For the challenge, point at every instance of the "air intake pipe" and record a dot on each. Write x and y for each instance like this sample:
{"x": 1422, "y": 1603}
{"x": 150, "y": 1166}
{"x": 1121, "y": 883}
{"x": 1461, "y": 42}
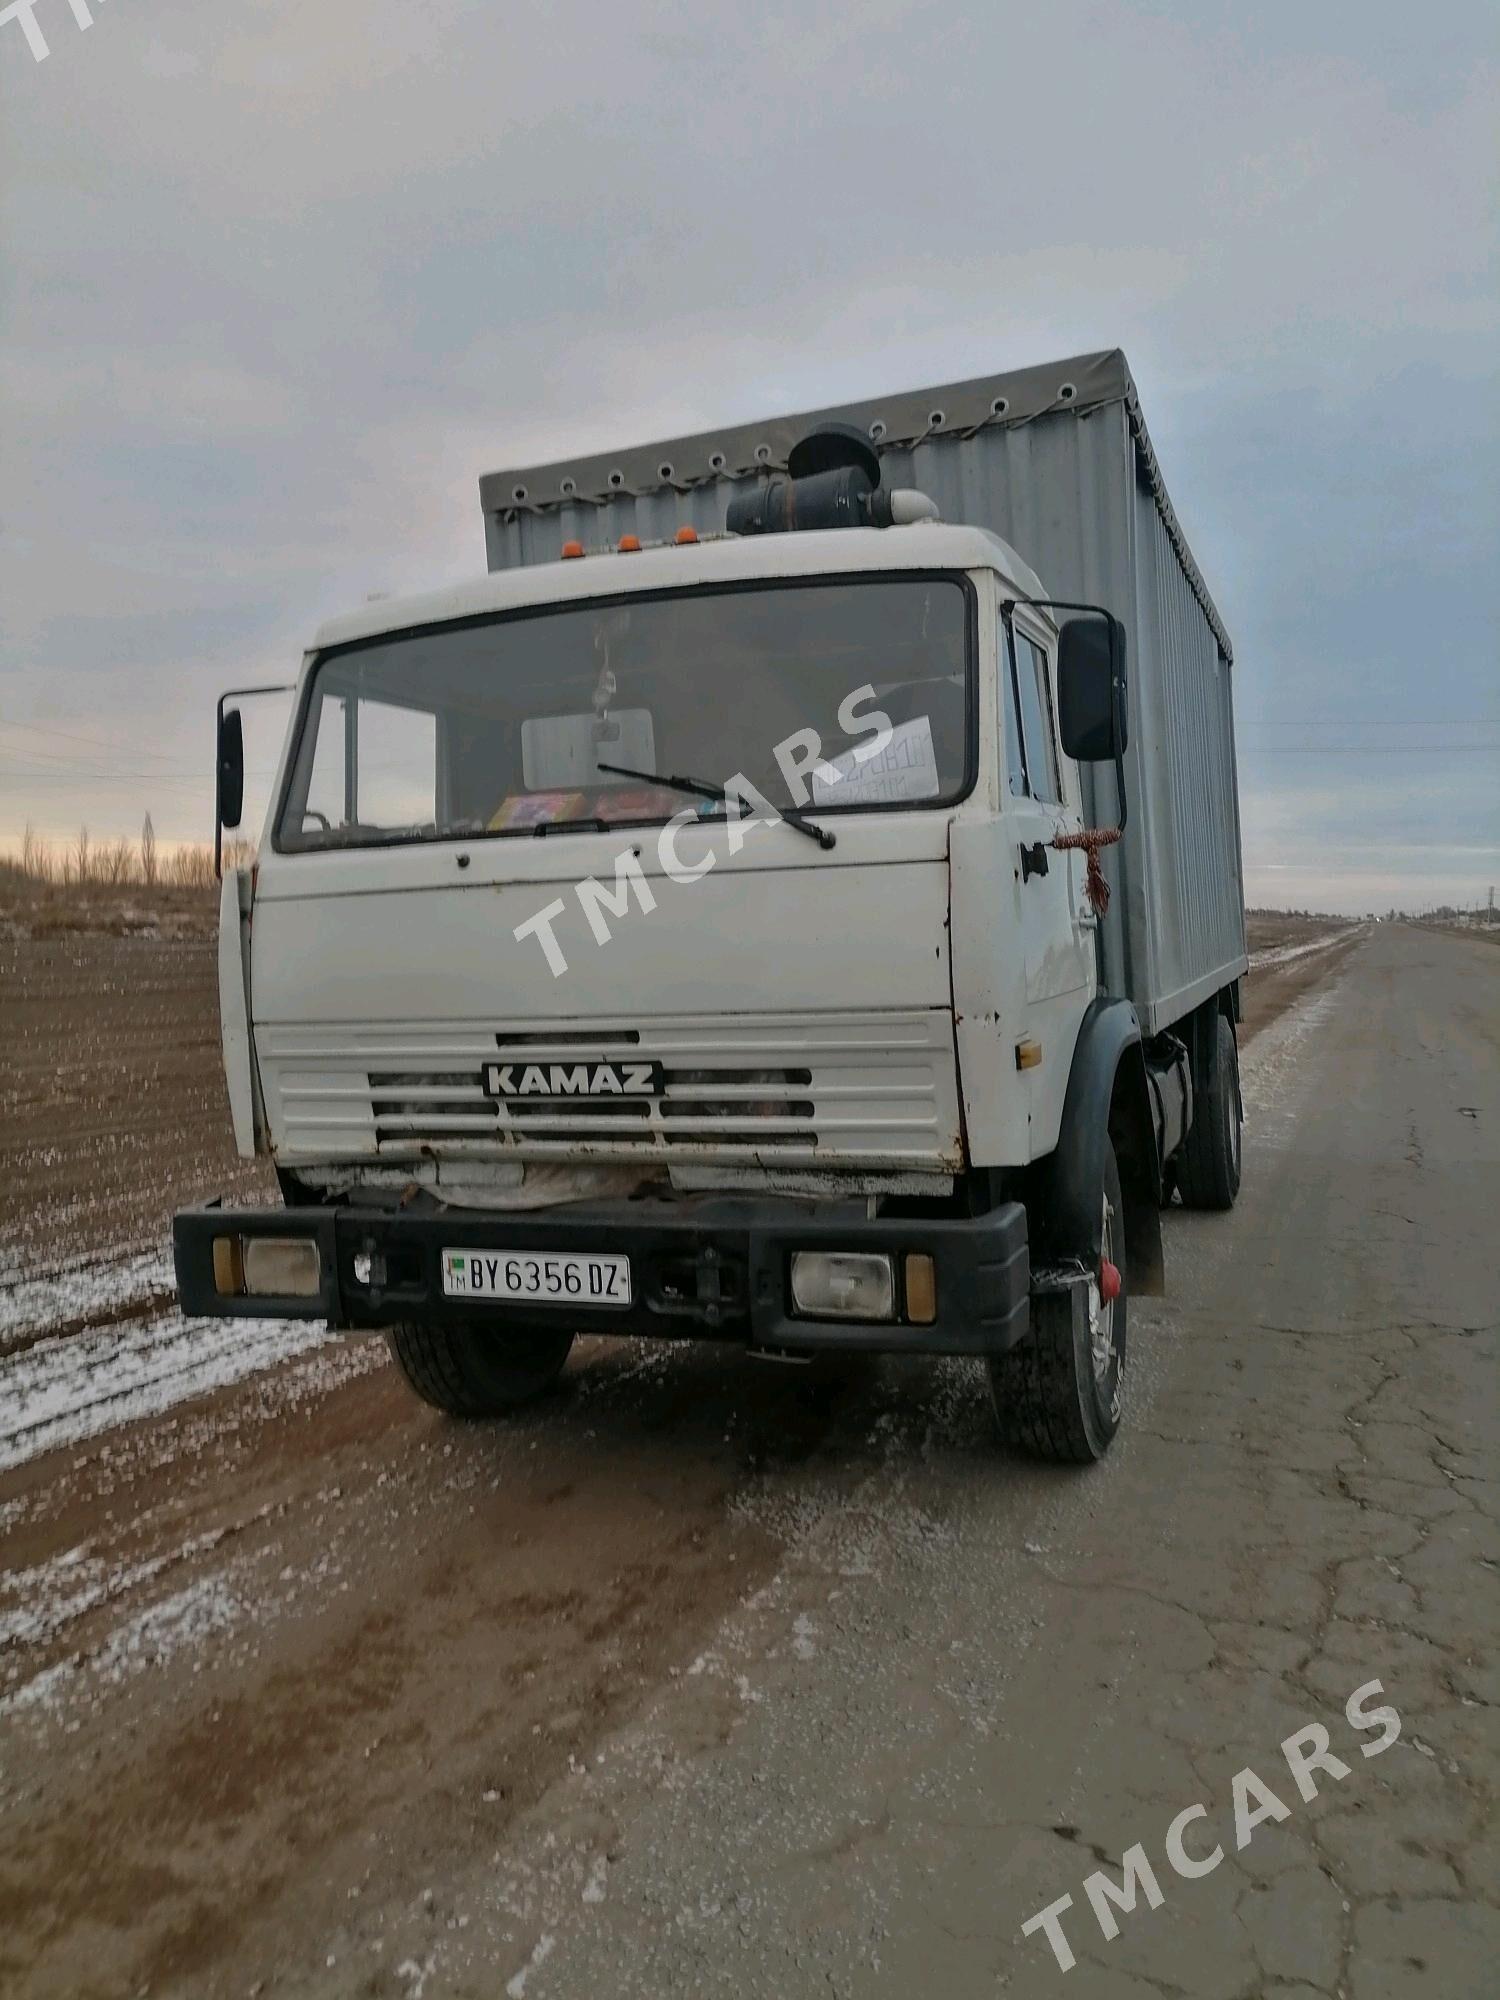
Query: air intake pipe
{"x": 832, "y": 480}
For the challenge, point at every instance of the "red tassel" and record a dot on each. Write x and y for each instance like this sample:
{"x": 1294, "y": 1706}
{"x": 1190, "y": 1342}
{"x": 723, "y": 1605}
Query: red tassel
{"x": 1090, "y": 841}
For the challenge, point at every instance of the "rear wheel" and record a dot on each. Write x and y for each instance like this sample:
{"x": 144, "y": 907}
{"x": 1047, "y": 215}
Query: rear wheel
{"x": 1208, "y": 1164}
{"x": 478, "y": 1371}
{"x": 1057, "y": 1395}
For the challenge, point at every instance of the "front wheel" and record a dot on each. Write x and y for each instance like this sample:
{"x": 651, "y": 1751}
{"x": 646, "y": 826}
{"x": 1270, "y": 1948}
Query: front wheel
{"x": 478, "y": 1371}
{"x": 1057, "y": 1394}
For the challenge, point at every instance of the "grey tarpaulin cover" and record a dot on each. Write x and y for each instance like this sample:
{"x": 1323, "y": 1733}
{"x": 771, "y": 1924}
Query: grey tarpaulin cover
{"x": 1084, "y": 382}
{"x": 1057, "y": 460}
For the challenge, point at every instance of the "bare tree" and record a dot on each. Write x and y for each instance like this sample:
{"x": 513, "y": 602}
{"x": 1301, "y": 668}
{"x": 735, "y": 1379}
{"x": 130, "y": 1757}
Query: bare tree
{"x": 148, "y": 852}
{"x": 191, "y": 867}
{"x": 36, "y": 861}
{"x": 81, "y": 855}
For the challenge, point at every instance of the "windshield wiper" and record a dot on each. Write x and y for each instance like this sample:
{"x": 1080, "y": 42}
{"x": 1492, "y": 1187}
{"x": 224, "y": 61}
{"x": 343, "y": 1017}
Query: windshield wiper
{"x": 546, "y": 826}
{"x": 700, "y": 788}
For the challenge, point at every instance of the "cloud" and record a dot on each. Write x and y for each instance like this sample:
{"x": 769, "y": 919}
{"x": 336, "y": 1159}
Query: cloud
{"x": 280, "y": 282}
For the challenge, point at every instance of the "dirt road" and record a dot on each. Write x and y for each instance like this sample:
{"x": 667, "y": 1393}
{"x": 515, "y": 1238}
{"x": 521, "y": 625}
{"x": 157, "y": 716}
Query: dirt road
{"x": 705, "y": 1677}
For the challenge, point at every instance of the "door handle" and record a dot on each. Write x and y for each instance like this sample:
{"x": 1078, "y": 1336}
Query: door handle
{"x": 1033, "y": 860}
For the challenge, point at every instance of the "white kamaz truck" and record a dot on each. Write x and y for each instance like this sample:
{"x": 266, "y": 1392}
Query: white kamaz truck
{"x": 763, "y": 908}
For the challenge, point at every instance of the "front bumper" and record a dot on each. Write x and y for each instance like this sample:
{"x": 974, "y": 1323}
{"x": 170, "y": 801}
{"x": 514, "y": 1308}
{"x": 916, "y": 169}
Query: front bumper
{"x": 717, "y": 1269}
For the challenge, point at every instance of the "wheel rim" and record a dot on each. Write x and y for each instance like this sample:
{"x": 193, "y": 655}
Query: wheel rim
{"x": 1102, "y": 1315}
{"x": 1235, "y": 1128}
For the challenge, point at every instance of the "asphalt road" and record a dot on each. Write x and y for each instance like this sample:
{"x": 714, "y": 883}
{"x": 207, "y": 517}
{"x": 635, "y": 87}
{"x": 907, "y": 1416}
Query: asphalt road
{"x": 708, "y": 1678}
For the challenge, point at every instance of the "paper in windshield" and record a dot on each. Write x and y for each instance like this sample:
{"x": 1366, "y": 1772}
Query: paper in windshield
{"x": 905, "y": 769}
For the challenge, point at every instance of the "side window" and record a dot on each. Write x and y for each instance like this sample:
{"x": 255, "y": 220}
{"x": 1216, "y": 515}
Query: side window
{"x": 397, "y": 765}
{"x": 1036, "y": 719}
{"x": 395, "y": 769}
{"x": 1030, "y": 746}
{"x": 1015, "y": 754}
{"x": 325, "y": 790}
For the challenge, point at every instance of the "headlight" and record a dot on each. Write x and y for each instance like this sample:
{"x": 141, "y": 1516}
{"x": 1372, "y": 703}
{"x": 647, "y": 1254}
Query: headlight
{"x": 843, "y": 1284}
{"x": 281, "y": 1267}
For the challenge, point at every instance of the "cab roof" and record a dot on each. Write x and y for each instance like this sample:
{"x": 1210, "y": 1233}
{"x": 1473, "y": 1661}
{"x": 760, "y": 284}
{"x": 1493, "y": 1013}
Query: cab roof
{"x": 711, "y": 561}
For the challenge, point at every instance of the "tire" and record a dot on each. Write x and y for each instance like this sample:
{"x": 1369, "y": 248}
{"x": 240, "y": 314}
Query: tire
{"x": 1057, "y": 1394}
{"x": 478, "y": 1371}
{"x": 1208, "y": 1162}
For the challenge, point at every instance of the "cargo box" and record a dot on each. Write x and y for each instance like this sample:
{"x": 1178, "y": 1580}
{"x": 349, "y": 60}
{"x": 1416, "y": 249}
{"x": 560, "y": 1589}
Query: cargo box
{"x": 1057, "y": 461}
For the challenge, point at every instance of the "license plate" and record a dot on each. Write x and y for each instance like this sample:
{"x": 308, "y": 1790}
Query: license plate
{"x": 544, "y": 1278}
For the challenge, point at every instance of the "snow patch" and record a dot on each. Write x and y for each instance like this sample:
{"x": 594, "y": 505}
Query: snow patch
{"x": 61, "y": 1391}
{"x": 150, "y": 1639}
{"x": 540, "y": 1953}
{"x": 1271, "y": 1079}
{"x": 416, "y": 1976}
{"x": 179, "y": 1622}
{"x": 1283, "y": 954}
{"x": 41, "y": 1691}
{"x": 29, "y": 1305}
{"x": 54, "y": 1594}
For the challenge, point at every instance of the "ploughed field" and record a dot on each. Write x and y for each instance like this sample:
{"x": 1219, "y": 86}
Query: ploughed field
{"x": 112, "y": 1104}
{"x": 703, "y": 1675}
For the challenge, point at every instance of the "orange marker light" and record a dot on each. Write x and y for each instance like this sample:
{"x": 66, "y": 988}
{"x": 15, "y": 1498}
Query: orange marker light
{"x": 921, "y": 1289}
{"x": 571, "y": 550}
{"x": 629, "y": 544}
{"x": 686, "y": 535}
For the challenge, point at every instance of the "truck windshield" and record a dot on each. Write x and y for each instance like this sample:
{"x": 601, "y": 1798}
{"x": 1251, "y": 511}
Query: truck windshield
{"x": 499, "y": 725}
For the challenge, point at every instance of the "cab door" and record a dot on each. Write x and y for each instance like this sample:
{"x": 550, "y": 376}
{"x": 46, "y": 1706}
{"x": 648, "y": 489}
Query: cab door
{"x": 1054, "y": 922}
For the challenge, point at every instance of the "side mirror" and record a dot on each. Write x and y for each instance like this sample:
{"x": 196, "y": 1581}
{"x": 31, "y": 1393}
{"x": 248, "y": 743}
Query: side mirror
{"x": 229, "y": 766}
{"x": 231, "y": 769}
{"x": 1091, "y": 688}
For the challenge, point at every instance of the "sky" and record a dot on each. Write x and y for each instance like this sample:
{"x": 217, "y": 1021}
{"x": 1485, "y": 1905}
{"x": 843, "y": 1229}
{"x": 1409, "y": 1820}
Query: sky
{"x": 279, "y": 281}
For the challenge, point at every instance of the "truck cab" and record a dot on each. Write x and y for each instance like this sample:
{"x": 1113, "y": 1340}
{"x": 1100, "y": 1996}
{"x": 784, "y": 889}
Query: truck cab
{"x": 677, "y": 941}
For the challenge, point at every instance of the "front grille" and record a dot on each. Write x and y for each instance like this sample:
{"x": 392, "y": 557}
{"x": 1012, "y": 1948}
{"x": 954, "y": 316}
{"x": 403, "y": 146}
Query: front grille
{"x": 693, "y": 1101}
{"x": 876, "y": 1087}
